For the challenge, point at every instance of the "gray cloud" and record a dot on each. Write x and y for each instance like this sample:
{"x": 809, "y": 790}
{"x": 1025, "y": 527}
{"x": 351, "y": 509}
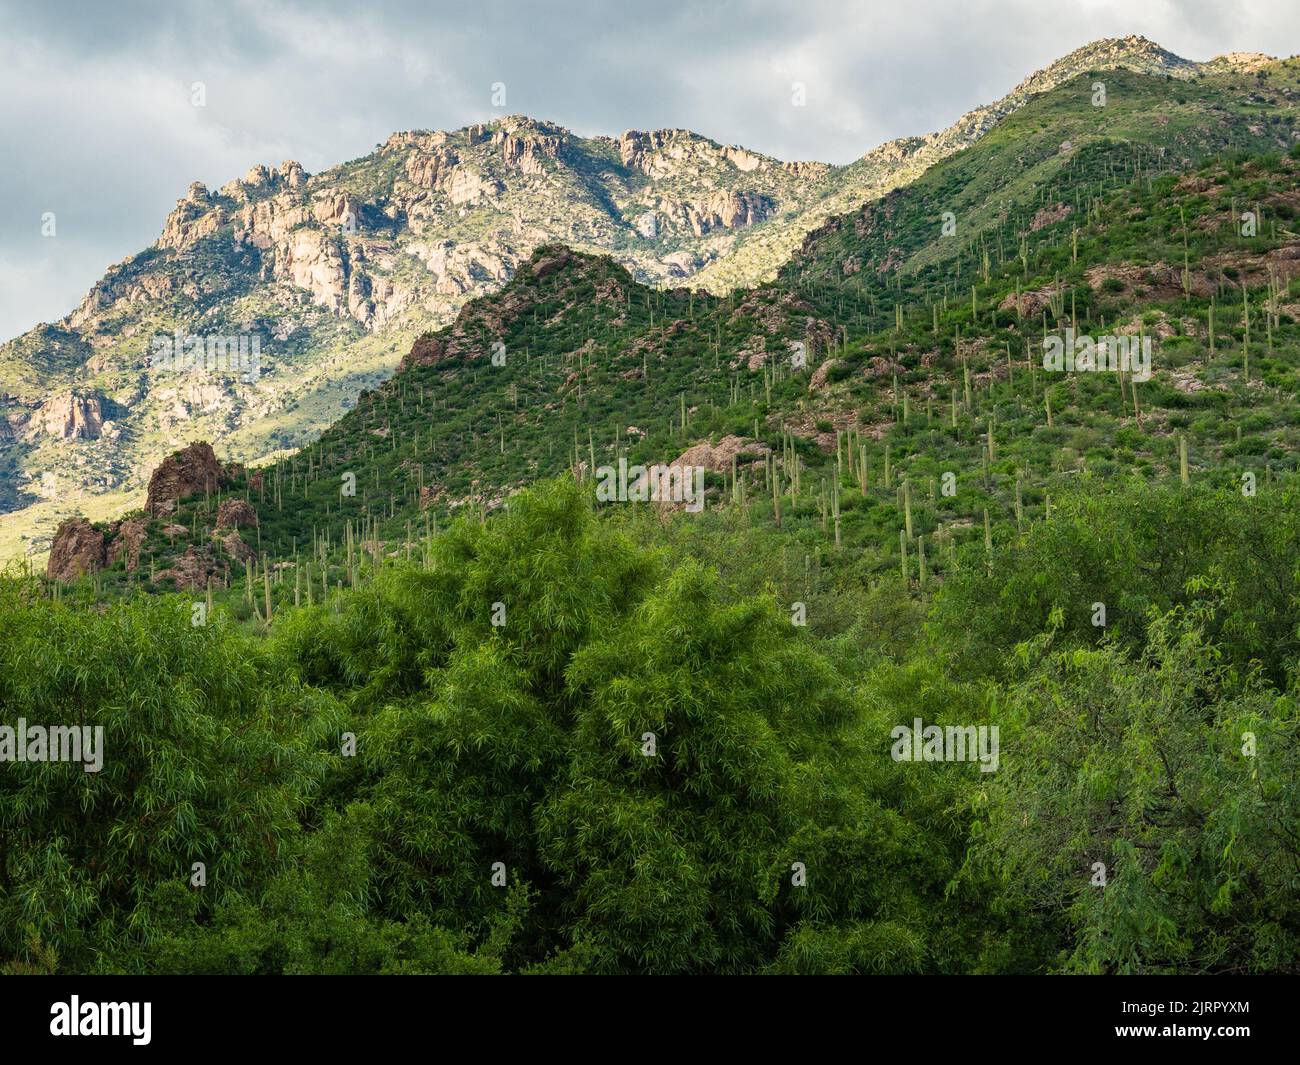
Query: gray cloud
{"x": 100, "y": 130}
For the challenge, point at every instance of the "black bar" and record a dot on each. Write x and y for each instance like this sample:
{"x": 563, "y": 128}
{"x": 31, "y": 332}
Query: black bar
{"x": 963, "y": 1013}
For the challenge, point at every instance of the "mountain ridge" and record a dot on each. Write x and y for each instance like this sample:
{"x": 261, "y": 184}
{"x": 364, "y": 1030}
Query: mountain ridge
{"x": 343, "y": 269}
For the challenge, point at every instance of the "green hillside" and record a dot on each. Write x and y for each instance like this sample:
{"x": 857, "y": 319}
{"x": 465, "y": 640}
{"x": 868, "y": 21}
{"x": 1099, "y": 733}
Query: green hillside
{"x": 429, "y": 702}
{"x": 913, "y": 360}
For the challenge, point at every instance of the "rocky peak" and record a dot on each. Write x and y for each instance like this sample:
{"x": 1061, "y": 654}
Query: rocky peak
{"x": 743, "y": 159}
{"x": 80, "y": 548}
{"x": 1134, "y": 53}
{"x": 193, "y": 218}
{"x": 524, "y": 142}
{"x": 261, "y": 180}
{"x": 659, "y": 152}
{"x": 291, "y": 174}
{"x": 548, "y": 260}
{"x": 1245, "y": 62}
{"x": 423, "y": 139}
{"x": 527, "y": 128}
{"x": 258, "y": 176}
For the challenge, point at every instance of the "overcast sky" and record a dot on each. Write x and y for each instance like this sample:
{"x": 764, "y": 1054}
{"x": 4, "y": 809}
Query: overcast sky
{"x": 98, "y": 124}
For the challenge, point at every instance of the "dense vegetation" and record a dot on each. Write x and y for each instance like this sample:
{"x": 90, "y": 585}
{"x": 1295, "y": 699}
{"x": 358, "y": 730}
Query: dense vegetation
{"x": 654, "y": 754}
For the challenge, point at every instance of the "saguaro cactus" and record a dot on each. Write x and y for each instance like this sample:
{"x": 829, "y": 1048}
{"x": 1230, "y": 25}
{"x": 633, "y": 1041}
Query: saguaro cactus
{"x": 988, "y": 541}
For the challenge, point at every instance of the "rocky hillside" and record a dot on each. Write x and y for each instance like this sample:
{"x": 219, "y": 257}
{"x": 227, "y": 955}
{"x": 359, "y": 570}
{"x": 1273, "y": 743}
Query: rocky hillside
{"x": 296, "y": 292}
{"x": 837, "y": 407}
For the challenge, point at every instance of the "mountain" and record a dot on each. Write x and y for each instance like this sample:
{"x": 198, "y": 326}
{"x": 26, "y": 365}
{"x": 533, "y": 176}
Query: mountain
{"x": 334, "y": 275}
{"x": 829, "y": 406}
{"x": 1011, "y": 449}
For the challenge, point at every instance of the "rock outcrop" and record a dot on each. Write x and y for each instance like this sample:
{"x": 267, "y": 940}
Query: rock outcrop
{"x": 236, "y": 514}
{"x": 77, "y": 551}
{"x": 233, "y": 544}
{"x": 821, "y": 376}
{"x": 128, "y": 536}
{"x": 188, "y": 572}
{"x": 78, "y": 413}
{"x": 188, "y": 472}
{"x": 1045, "y": 216}
{"x": 717, "y": 457}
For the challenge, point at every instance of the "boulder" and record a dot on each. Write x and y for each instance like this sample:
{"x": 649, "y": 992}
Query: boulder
{"x": 820, "y": 378}
{"x": 717, "y": 457}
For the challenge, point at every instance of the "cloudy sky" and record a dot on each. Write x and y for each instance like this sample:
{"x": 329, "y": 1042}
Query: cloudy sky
{"x": 99, "y": 126}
